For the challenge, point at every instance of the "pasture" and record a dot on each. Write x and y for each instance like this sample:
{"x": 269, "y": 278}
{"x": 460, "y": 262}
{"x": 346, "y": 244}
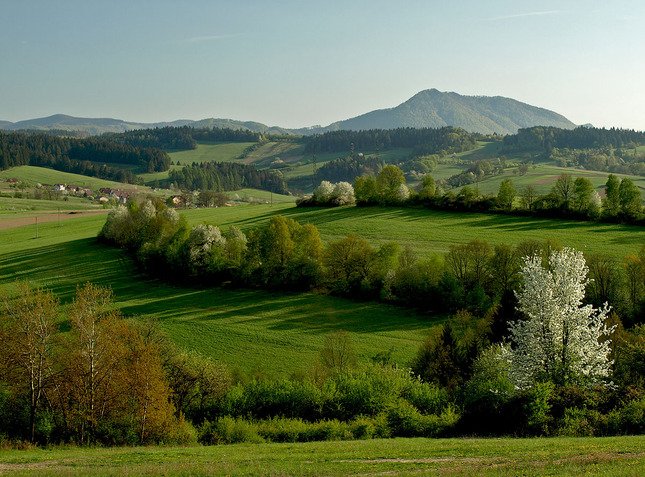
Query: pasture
{"x": 428, "y": 231}
{"x": 279, "y": 333}
{"x": 210, "y": 152}
{"x": 275, "y": 333}
{"x": 40, "y": 175}
{"x": 618, "y": 456}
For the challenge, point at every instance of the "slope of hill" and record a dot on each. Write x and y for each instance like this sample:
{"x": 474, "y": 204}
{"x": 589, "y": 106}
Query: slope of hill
{"x": 244, "y": 125}
{"x": 93, "y": 126}
{"x": 434, "y": 109}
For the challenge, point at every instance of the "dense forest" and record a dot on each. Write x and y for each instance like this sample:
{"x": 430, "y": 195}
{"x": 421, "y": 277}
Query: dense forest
{"x": 547, "y": 138}
{"x": 424, "y": 141}
{"x": 225, "y": 176}
{"x": 611, "y": 150}
{"x": 74, "y": 155}
{"x": 186, "y": 137}
{"x": 349, "y": 168}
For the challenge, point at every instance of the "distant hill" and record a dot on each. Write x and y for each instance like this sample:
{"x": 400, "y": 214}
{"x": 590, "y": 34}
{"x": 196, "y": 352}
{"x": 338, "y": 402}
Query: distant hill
{"x": 244, "y": 125}
{"x": 427, "y": 109}
{"x": 434, "y": 109}
{"x": 98, "y": 126}
{"x": 93, "y": 126}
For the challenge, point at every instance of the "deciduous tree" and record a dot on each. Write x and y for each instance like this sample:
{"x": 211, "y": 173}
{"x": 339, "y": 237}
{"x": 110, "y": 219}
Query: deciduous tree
{"x": 560, "y": 340}
{"x": 27, "y": 328}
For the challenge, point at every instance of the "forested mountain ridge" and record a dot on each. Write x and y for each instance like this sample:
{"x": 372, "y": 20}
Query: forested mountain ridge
{"x": 435, "y": 109}
{"x": 99, "y": 126}
{"x": 92, "y": 126}
{"x": 428, "y": 109}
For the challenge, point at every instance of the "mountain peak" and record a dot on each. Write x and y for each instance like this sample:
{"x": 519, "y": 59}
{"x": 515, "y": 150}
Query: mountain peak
{"x": 432, "y": 108}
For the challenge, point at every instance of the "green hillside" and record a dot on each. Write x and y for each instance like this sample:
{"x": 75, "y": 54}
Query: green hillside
{"x": 41, "y": 175}
{"x": 277, "y": 333}
{"x": 211, "y": 152}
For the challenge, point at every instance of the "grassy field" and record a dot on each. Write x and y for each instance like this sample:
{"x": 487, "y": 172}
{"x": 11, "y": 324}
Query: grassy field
{"x": 278, "y": 333}
{"x": 210, "y": 152}
{"x": 616, "y": 456}
{"x": 262, "y": 196}
{"x": 10, "y": 205}
{"x": 42, "y": 175}
{"x": 275, "y": 333}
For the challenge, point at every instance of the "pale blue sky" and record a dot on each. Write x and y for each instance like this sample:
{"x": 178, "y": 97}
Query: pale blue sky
{"x": 300, "y": 63}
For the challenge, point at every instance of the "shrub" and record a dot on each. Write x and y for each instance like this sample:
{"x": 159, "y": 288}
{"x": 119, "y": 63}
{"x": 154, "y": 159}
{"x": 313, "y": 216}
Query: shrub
{"x": 537, "y": 407}
{"x": 580, "y": 422}
{"x": 227, "y": 430}
{"x": 367, "y": 392}
{"x": 426, "y": 397}
{"x": 280, "y": 429}
{"x": 404, "y": 420}
{"x": 632, "y": 417}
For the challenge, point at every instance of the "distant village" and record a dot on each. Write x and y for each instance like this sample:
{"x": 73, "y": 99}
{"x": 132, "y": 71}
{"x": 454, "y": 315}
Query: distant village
{"x": 113, "y": 196}
{"x": 103, "y": 195}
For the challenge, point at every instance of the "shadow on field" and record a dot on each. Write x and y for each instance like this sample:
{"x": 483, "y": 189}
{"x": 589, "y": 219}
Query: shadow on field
{"x": 63, "y": 267}
{"x": 327, "y": 215}
{"x": 289, "y": 311}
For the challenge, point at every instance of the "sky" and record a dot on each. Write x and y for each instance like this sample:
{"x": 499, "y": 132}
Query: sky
{"x": 304, "y": 63}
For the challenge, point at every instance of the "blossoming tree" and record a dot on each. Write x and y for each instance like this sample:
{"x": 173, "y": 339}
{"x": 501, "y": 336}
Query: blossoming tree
{"x": 561, "y": 340}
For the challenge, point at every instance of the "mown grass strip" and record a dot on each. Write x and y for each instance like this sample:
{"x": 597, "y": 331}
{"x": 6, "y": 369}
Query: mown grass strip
{"x": 622, "y": 456}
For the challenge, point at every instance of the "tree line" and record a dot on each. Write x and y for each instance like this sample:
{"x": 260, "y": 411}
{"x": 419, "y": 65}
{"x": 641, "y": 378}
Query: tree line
{"x": 226, "y": 176}
{"x": 182, "y": 138}
{"x": 425, "y": 141}
{"x": 569, "y": 198}
{"x": 582, "y": 137}
{"x": 73, "y": 154}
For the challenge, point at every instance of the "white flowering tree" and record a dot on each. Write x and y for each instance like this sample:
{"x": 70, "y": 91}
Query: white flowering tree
{"x": 560, "y": 340}
{"x": 343, "y": 194}
{"x": 200, "y": 242}
{"x": 322, "y": 194}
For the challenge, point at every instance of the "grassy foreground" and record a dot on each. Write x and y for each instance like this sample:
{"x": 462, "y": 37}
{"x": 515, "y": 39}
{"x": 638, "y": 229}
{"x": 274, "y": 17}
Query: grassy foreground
{"x": 623, "y": 456}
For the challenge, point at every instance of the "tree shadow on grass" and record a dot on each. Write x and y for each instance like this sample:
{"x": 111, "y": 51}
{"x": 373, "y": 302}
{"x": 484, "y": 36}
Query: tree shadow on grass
{"x": 279, "y": 312}
{"x": 63, "y": 267}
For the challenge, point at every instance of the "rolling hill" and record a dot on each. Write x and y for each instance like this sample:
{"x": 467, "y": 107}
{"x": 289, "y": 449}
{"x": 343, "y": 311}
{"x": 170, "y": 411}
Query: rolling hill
{"x": 93, "y": 126}
{"x": 428, "y": 109}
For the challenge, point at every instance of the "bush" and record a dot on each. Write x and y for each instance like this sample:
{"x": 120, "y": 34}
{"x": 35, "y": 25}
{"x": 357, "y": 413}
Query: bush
{"x": 265, "y": 399}
{"x": 537, "y": 408}
{"x": 227, "y": 430}
{"x": 366, "y": 392}
{"x": 632, "y": 417}
{"x": 404, "y": 420}
{"x": 580, "y": 422}
{"x": 426, "y": 397}
{"x": 284, "y": 430}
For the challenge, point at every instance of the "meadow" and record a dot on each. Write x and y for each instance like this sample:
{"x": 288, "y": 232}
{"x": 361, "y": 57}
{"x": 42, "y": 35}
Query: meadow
{"x": 275, "y": 333}
{"x": 279, "y": 333}
{"x": 617, "y": 456}
{"x": 41, "y": 175}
